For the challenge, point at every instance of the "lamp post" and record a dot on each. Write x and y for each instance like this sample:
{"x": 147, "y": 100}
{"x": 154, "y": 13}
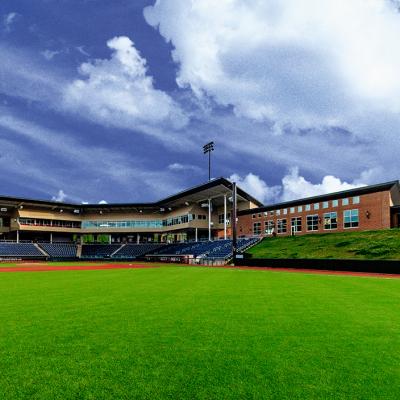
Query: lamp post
{"x": 233, "y": 223}
{"x": 208, "y": 148}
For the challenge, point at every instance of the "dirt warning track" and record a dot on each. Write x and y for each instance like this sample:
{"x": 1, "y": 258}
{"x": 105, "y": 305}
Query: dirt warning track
{"x": 45, "y": 268}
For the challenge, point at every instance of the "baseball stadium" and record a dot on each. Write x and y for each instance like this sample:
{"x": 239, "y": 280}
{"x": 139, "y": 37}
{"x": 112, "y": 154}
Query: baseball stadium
{"x": 143, "y": 300}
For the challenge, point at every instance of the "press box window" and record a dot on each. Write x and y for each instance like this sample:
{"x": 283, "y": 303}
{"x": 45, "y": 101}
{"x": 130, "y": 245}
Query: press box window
{"x": 316, "y": 206}
{"x": 335, "y": 203}
{"x": 345, "y": 202}
{"x": 356, "y": 200}
{"x": 325, "y": 204}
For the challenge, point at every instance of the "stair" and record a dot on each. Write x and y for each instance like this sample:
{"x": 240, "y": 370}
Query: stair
{"x": 41, "y": 250}
{"x": 79, "y": 251}
{"x": 116, "y": 251}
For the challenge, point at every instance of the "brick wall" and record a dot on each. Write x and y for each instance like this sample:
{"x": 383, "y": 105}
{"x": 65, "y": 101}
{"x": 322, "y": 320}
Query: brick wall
{"x": 374, "y": 213}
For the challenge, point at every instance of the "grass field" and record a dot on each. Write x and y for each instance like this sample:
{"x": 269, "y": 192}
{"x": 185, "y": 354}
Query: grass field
{"x": 382, "y": 244}
{"x": 198, "y": 333}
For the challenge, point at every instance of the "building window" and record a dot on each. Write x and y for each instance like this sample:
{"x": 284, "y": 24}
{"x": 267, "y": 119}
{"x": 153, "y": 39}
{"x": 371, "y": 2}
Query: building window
{"x": 221, "y": 218}
{"x": 330, "y": 220}
{"x": 296, "y": 224}
{"x": 285, "y": 211}
{"x": 259, "y": 215}
{"x": 356, "y": 200}
{"x": 278, "y": 212}
{"x": 281, "y": 226}
{"x": 291, "y": 210}
{"x": 257, "y": 228}
{"x": 271, "y": 213}
{"x": 345, "y": 202}
{"x": 265, "y": 213}
{"x": 312, "y": 222}
{"x": 308, "y": 207}
{"x": 335, "y": 203}
{"x": 253, "y": 216}
{"x": 269, "y": 227}
{"x": 325, "y": 204}
{"x": 300, "y": 208}
{"x": 316, "y": 206}
{"x": 350, "y": 218}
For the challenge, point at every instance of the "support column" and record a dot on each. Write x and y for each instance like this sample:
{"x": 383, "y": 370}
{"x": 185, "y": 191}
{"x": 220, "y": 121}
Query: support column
{"x": 225, "y": 216}
{"x": 209, "y": 219}
{"x": 51, "y": 237}
{"x": 196, "y": 234}
{"x": 17, "y": 236}
{"x": 138, "y": 238}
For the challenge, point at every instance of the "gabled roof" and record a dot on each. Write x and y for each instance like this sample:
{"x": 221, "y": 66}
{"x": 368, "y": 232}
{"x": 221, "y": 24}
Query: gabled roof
{"x": 324, "y": 197}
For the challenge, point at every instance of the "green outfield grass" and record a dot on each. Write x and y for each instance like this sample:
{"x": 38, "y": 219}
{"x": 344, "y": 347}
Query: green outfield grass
{"x": 198, "y": 333}
{"x": 382, "y": 244}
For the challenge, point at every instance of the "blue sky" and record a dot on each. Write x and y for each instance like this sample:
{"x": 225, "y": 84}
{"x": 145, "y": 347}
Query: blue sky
{"x": 113, "y": 100}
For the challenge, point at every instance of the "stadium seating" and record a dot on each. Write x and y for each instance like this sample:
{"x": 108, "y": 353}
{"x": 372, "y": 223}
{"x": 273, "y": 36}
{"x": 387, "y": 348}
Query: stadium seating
{"x": 20, "y": 250}
{"x": 133, "y": 251}
{"x": 99, "y": 250}
{"x": 59, "y": 250}
{"x": 220, "y": 249}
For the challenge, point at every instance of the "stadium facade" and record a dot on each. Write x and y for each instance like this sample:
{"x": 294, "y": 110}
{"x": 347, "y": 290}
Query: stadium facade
{"x": 187, "y": 216}
{"x": 198, "y": 213}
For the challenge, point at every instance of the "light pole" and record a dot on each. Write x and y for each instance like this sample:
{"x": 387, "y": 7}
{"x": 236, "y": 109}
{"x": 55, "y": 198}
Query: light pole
{"x": 233, "y": 223}
{"x": 208, "y": 148}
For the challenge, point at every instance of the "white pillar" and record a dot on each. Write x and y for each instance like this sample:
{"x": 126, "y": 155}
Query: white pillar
{"x": 17, "y": 236}
{"x": 138, "y": 238}
{"x": 51, "y": 237}
{"x": 225, "y": 216}
{"x": 195, "y": 234}
{"x": 209, "y": 219}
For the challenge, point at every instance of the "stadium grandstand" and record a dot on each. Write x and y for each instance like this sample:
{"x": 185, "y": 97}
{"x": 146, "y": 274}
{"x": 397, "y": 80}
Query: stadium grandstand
{"x": 194, "y": 224}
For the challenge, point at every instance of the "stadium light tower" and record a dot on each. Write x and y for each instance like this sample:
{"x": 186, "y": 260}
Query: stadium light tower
{"x": 233, "y": 222}
{"x": 208, "y": 148}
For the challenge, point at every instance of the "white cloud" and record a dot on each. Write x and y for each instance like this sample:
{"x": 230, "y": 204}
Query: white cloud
{"x": 102, "y": 202}
{"x": 9, "y": 19}
{"x": 118, "y": 92}
{"x": 50, "y": 54}
{"x": 308, "y": 63}
{"x": 60, "y": 196}
{"x": 255, "y": 186}
{"x": 293, "y": 186}
{"x": 178, "y": 167}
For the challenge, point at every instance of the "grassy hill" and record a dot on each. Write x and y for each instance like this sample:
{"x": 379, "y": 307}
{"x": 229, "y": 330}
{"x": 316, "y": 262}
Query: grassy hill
{"x": 382, "y": 244}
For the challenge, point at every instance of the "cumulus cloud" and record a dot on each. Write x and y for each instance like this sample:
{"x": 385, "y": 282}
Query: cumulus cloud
{"x": 255, "y": 186}
{"x": 102, "y": 202}
{"x": 318, "y": 62}
{"x": 60, "y": 196}
{"x": 118, "y": 92}
{"x": 294, "y": 186}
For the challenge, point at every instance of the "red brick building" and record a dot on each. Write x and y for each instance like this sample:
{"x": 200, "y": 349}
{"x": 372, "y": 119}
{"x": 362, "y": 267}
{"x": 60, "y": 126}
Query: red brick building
{"x": 366, "y": 208}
